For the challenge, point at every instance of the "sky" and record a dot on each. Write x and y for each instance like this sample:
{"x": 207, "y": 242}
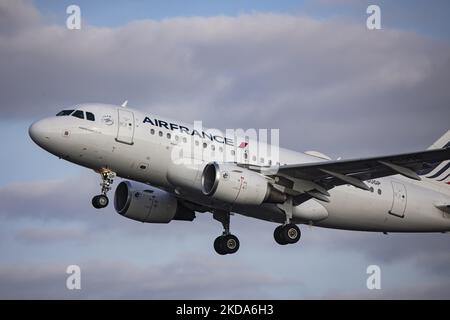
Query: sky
{"x": 309, "y": 68}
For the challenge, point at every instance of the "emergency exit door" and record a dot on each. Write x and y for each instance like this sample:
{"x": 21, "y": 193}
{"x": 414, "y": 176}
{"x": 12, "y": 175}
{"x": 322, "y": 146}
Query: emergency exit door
{"x": 125, "y": 130}
{"x": 398, "y": 200}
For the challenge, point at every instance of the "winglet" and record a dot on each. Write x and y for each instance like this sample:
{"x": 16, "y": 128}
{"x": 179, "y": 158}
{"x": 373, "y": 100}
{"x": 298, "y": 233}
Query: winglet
{"x": 125, "y": 103}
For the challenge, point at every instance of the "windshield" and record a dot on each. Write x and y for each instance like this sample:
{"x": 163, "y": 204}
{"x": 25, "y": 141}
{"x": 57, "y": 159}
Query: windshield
{"x": 65, "y": 113}
{"x": 78, "y": 114}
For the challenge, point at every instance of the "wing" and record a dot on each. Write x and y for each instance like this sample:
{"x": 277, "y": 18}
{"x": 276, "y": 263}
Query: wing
{"x": 312, "y": 180}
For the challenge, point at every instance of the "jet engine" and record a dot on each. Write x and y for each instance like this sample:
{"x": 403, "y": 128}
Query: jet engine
{"x": 145, "y": 204}
{"x": 235, "y": 185}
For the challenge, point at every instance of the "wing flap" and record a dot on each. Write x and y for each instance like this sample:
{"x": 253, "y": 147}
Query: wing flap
{"x": 328, "y": 174}
{"x": 366, "y": 168}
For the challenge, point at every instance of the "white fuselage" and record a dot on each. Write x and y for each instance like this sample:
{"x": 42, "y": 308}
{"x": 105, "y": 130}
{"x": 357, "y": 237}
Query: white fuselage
{"x": 136, "y": 146}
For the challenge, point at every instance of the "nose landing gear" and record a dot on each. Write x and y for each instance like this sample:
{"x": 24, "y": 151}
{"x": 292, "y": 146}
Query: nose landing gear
{"x": 102, "y": 201}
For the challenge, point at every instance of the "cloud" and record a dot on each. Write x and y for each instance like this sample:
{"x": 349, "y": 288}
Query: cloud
{"x": 428, "y": 253}
{"x": 186, "y": 277}
{"x": 121, "y": 258}
{"x": 225, "y": 70}
{"x": 434, "y": 291}
{"x": 48, "y": 235}
{"x": 328, "y": 84}
{"x": 16, "y": 16}
{"x": 54, "y": 199}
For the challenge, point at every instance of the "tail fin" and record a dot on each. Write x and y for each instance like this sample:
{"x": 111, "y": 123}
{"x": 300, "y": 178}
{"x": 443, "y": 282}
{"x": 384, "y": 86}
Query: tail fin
{"x": 439, "y": 171}
{"x": 442, "y": 142}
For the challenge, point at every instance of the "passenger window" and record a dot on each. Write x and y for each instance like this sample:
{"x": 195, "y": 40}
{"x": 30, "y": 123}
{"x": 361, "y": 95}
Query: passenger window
{"x": 152, "y": 131}
{"x": 213, "y": 147}
{"x": 65, "y": 113}
{"x": 78, "y": 114}
{"x": 184, "y": 139}
{"x": 220, "y": 149}
{"x": 160, "y": 133}
{"x": 205, "y": 145}
{"x": 168, "y": 136}
{"x": 90, "y": 116}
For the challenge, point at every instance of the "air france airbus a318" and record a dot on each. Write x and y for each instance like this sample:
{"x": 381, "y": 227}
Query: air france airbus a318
{"x": 398, "y": 193}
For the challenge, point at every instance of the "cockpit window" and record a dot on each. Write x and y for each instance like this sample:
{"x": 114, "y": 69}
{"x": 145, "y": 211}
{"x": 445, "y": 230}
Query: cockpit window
{"x": 90, "y": 116}
{"x": 65, "y": 113}
{"x": 78, "y": 114}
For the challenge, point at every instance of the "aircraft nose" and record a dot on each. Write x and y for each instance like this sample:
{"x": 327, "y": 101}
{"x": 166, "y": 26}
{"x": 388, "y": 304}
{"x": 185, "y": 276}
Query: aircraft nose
{"x": 37, "y": 132}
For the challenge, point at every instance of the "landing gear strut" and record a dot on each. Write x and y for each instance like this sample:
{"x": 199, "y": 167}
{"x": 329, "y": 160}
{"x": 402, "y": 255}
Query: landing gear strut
{"x": 102, "y": 201}
{"x": 288, "y": 232}
{"x": 226, "y": 243}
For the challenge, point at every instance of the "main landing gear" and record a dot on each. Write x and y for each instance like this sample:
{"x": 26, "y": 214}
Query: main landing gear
{"x": 288, "y": 232}
{"x": 226, "y": 243}
{"x": 102, "y": 201}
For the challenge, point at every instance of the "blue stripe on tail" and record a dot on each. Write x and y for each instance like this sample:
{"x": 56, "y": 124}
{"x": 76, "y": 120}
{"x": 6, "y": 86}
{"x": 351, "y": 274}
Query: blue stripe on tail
{"x": 429, "y": 167}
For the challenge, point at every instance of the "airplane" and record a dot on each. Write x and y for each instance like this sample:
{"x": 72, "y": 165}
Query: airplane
{"x": 407, "y": 192}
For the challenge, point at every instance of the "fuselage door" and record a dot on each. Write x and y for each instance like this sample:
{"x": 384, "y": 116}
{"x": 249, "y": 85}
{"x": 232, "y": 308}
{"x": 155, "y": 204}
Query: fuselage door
{"x": 398, "y": 200}
{"x": 125, "y": 130}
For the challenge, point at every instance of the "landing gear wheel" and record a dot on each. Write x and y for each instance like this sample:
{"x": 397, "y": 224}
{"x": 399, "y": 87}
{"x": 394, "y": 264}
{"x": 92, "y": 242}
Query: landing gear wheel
{"x": 218, "y": 246}
{"x": 227, "y": 244}
{"x": 230, "y": 243}
{"x": 290, "y": 233}
{"x": 278, "y": 237}
{"x": 100, "y": 201}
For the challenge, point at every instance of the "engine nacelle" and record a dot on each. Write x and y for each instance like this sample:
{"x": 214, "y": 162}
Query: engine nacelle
{"x": 145, "y": 204}
{"x": 235, "y": 185}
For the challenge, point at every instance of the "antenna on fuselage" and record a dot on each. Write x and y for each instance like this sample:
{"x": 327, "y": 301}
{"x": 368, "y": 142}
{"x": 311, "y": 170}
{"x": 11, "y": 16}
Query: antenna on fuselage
{"x": 125, "y": 103}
